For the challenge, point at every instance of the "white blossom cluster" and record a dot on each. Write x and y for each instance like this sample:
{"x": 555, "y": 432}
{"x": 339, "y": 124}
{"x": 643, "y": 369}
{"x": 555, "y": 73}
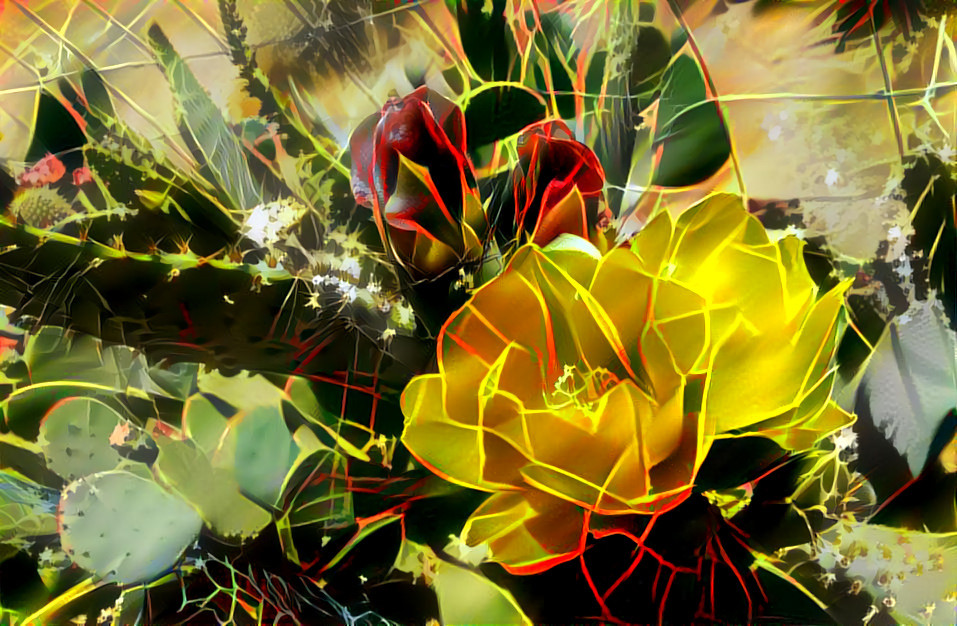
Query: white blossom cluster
{"x": 267, "y": 223}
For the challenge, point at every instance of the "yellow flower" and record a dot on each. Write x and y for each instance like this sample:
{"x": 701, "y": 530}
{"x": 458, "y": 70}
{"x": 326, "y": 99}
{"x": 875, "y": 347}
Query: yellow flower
{"x": 578, "y": 382}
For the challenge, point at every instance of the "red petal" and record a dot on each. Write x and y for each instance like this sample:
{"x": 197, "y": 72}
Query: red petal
{"x": 362, "y": 150}
{"x": 567, "y": 213}
{"x": 449, "y": 117}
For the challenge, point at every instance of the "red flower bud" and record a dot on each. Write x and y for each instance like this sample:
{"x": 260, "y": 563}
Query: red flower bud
{"x": 557, "y": 186}
{"x": 409, "y": 166}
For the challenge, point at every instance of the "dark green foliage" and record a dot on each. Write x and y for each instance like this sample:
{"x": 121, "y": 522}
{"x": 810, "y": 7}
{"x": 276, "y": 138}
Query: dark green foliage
{"x": 214, "y": 354}
{"x": 690, "y": 130}
{"x": 485, "y": 39}
{"x": 183, "y": 310}
{"x": 56, "y": 132}
{"x": 930, "y": 187}
{"x": 649, "y": 60}
{"x": 499, "y": 111}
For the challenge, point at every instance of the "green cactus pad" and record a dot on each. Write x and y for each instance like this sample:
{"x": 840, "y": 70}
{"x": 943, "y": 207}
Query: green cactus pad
{"x": 262, "y": 452}
{"x": 123, "y": 527}
{"x": 244, "y": 390}
{"x": 213, "y": 491}
{"x": 76, "y": 437}
{"x": 912, "y": 576}
{"x": 203, "y": 423}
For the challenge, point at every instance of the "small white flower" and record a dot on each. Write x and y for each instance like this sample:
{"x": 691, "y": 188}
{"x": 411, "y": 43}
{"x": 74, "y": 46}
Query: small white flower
{"x": 894, "y": 233}
{"x": 266, "y": 222}
{"x": 350, "y": 265}
{"x": 846, "y": 439}
{"x": 832, "y": 177}
{"x": 947, "y": 153}
{"x": 775, "y": 133}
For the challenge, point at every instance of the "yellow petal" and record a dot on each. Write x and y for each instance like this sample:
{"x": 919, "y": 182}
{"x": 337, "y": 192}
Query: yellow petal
{"x": 580, "y": 328}
{"x": 476, "y": 335}
{"x": 577, "y": 464}
{"x": 448, "y": 448}
{"x": 652, "y": 245}
{"x": 638, "y": 455}
{"x": 683, "y": 323}
{"x": 756, "y": 378}
{"x": 709, "y": 226}
{"x": 816, "y": 417}
{"x": 792, "y": 433}
{"x": 577, "y": 256}
{"x": 799, "y": 288}
{"x": 723, "y": 254}
{"x": 519, "y": 373}
{"x": 619, "y": 274}
{"x": 527, "y": 532}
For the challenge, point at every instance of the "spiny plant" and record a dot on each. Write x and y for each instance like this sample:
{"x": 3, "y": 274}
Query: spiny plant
{"x": 210, "y": 334}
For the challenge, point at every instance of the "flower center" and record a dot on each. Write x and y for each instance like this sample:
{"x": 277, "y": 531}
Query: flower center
{"x": 580, "y": 386}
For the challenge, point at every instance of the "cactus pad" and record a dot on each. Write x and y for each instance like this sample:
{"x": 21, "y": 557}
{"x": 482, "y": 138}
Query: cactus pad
{"x": 76, "y": 437}
{"x": 124, "y": 527}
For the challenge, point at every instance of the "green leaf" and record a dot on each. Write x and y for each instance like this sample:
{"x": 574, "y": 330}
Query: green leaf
{"x": 219, "y": 148}
{"x": 174, "y": 381}
{"x": 690, "y": 131}
{"x": 27, "y": 509}
{"x": 243, "y": 391}
{"x": 339, "y": 434}
{"x": 555, "y": 41}
{"x": 54, "y": 355}
{"x": 499, "y": 111}
{"x": 97, "y": 96}
{"x": 203, "y": 423}
{"x": 261, "y": 451}
{"x": 213, "y": 491}
{"x": 467, "y": 597}
{"x": 76, "y": 437}
{"x": 362, "y": 533}
{"x": 485, "y": 37}
{"x": 124, "y": 527}
{"x": 911, "y": 381}
{"x": 649, "y": 60}
{"x": 326, "y": 503}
